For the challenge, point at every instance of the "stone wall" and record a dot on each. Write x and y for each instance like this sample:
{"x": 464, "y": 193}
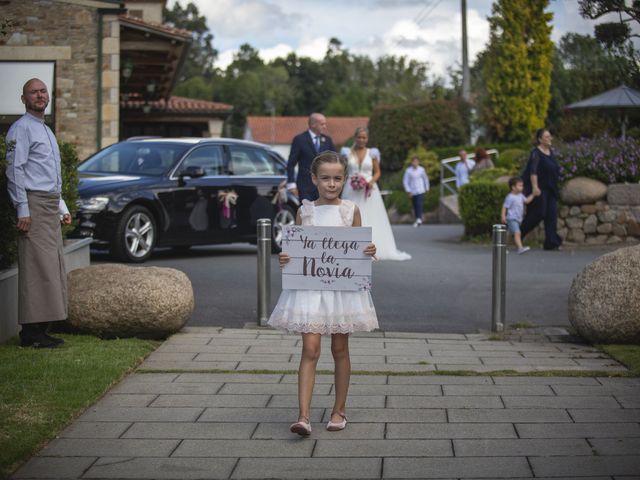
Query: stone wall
{"x": 66, "y": 31}
{"x": 615, "y": 220}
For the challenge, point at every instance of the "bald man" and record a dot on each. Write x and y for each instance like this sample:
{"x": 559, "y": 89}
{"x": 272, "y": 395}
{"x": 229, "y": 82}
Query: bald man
{"x": 304, "y": 148}
{"x": 35, "y": 186}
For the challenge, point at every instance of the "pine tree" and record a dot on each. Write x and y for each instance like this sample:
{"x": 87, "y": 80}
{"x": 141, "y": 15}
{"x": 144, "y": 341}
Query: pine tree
{"x": 517, "y": 70}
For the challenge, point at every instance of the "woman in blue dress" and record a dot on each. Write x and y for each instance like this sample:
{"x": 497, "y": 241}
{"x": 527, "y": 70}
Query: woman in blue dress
{"x": 541, "y": 176}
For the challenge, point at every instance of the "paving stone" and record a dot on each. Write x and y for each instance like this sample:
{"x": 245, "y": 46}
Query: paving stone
{"x": 95, "y": 430}
{"x": 383, "y": 448}
{"x": 450, "y": 401}
{"x": 440, "y": 380}
{"x": 596, "y": 363}
{"x": 188, "y": 339}
{"x": 162, "y": 468}
{"x": 560, "y": 402}
{"x": 629, "y": 401}
{"x": 608, "y": 415}
{"x": 546, "y": 381}
{"x": 396, "y": 415}
{"x": 367, "y": 358}
{"x": 433, "y": 347}
{"x": 455, "y": 467}
{"x": 327, "y": 401}
{"x": 240, "y": 357}
{"x": 284, "y": 415}
{"x": 211, "y": 401}
{"x": 193, "y": 430}
{"x": 557, "y": 363}
{"x": 272, "y": 366}
{"x": 321, "y": 468}
{"x": 174, "y": 388}
{"x": 578, "y": 430}
{"x": 185, "y": 348}
{"x": 163, "y": 356}
{"x": 404, "y": 341}
{"x": 270, "y": 389}
{"x": 460, "y": 360}
{"x": 228, "y": 378}
{"x": 521, "y": 447}
{"x": 151, "y": 377}
{"x": 586, "y": 466}
{"x": 594, "y": 391}
{"x": 512, "y": 415}
{"x": 619, "y": 381}
{"x": 392, "y": 368}
{"x": 487, "y": 369}
{"x": 616, "y": 446}
{"x": 434, "y": 336}
{"x": 186, "y": 366}
{"x": 126, "y": 400}
{"x": 449, "y": 430}
{"x": 262, "y": 349}
{"x": 244, "y": 448}
{"x": 366, "y": 431}
{"x": 355, "y": 379}
{"x": 108, "y": 447}
{"x": 497, "y": 390}
{"x": 432, "y": 390}
{"x": 138, "y": 414}
{"x": 47, "y": 467}
{"x": 517, "y": 347}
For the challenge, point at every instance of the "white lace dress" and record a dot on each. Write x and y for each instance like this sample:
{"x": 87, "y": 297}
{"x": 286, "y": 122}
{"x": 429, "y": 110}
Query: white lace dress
{"x": 325, "y": 311}
{"x": 372, "y": 209}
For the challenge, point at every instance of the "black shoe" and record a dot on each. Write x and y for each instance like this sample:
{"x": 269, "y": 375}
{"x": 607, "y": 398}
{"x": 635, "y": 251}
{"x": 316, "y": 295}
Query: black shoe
{"x": 39, "y": 341}
{"x": 57, "y": 341}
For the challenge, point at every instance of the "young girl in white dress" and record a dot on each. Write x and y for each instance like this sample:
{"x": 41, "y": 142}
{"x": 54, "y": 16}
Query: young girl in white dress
{"x": 366, "y": 162}
{"x": 314, "y": 313}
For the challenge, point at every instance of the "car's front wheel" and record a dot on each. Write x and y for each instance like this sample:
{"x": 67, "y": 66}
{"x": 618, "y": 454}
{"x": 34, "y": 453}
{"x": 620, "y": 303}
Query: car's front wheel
{"x": 286, "y": 216}
{"x": 136, "y": 235}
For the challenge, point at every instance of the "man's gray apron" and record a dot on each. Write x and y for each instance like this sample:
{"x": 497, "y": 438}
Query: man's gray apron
{"x": 42, "y": 277}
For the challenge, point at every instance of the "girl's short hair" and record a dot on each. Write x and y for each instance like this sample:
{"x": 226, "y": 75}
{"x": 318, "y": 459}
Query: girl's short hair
{"x": 328, "y": 157}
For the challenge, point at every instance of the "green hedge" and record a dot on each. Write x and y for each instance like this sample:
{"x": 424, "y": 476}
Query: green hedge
{"x": 398, "y": 129}
{"x": 480, "y": 204}
{"x": 402, "y": 202}
{"x": 8, "y": 232}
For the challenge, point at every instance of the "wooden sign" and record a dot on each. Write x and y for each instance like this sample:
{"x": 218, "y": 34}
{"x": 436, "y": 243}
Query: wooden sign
{"x": 326, "y": 258}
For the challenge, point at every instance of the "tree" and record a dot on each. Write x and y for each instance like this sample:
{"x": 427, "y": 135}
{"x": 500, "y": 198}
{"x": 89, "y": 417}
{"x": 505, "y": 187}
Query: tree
{"x": 201, "y": 54}
{"x": 616, "y": 37}
{"x": 517, "y": 69}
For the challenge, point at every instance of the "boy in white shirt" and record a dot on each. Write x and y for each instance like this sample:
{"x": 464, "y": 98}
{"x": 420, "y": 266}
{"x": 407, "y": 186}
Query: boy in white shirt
{"x": 416, "y": 184}
{"x": 513, "y": 211}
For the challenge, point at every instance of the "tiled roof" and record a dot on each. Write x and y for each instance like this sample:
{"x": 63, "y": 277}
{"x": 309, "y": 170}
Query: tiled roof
{"x": 179, "y": 105}
{"x": 161, "y": 28}
{"x": 281, "y": 130}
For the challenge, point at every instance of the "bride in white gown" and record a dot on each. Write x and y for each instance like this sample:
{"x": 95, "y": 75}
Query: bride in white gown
{"x": 365, "y": 162}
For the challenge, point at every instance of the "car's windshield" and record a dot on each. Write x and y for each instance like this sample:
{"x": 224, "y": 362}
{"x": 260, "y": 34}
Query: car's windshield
{"x": 135, "y": 158}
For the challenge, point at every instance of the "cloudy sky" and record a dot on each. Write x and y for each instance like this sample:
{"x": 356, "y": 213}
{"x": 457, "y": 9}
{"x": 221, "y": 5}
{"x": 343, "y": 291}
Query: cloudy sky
{"x": 426, "y": 30}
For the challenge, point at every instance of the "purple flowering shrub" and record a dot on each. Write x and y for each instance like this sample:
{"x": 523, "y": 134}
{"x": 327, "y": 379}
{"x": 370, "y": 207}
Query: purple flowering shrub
{"x": 604, "y": 158}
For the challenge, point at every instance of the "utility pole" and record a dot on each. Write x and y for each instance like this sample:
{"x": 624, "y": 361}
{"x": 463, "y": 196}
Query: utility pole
{"x": 466, "y": 82}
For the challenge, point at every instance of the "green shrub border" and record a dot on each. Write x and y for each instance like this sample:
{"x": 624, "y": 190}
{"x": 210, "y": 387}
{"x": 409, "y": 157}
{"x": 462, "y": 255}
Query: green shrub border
{"x": 8, "y": 232}
{"x": 480, "y": 204}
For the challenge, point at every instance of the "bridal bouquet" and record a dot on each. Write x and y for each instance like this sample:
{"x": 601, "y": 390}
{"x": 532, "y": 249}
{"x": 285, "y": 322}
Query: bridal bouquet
{"x": 358, "y": 182}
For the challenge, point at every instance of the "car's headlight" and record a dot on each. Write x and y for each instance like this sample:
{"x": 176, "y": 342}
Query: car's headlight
{"x": 93, "y": 204}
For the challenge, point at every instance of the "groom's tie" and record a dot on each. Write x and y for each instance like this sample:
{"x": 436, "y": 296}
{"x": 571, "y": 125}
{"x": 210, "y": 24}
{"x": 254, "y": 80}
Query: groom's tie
{"x": 316, "y": 143}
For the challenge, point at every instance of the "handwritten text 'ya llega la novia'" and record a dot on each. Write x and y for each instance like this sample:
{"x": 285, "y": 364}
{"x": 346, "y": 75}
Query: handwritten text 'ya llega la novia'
{"x": 329, "y": 267}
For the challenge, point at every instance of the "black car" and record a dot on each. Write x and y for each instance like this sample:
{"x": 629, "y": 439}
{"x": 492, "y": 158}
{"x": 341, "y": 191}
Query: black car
{"x": 151, "y": 192}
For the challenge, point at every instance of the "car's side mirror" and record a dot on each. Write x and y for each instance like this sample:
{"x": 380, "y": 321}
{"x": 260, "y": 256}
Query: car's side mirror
{"x": 191, "y": 172}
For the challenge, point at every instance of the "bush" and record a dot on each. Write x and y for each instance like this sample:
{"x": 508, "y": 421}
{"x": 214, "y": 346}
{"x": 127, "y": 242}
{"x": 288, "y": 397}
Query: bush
{"x": 603, "y": 158}
{"x": 480, "y": 205}
{"x": 8, "y": 232}
{"x": 489, "y": 174}
{"x": 512, "y": 159}
{"x": 400, "y": 200}
{"x": 398, "y": 129}
{"x": 575, "y": 125}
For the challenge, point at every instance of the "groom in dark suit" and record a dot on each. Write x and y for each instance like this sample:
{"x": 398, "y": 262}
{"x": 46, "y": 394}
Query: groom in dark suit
{"x": 304, "y": 148}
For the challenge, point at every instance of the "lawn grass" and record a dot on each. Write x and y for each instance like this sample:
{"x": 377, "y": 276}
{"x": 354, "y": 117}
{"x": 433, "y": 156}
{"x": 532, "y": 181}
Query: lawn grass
{"x": 41, "y": 391}
{"x": 628, "y": 355}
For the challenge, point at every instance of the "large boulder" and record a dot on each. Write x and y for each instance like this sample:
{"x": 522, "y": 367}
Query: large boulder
{"x": 582, "y": 190}
{"x": 113, "y": 300}
{"x": 604, "y": 299}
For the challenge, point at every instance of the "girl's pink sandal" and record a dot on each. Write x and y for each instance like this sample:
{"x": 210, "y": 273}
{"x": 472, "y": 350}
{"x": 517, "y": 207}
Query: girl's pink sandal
{"x": 335, "y": 427}
{"x": 301, "y": 427}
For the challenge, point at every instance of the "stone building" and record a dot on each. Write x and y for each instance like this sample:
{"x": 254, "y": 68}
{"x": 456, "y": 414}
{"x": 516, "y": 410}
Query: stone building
{"x": 111, "y": 67}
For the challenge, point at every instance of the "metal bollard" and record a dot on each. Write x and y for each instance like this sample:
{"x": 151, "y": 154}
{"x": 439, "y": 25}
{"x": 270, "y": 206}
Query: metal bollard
{"x": 499, "y": 278}
{"x": 264, "y": 270}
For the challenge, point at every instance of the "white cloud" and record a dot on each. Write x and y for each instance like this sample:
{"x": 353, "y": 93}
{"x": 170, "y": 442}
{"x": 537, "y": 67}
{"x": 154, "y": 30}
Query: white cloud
{"x": 280, "y": 50}
{"x": 315, "y": 48}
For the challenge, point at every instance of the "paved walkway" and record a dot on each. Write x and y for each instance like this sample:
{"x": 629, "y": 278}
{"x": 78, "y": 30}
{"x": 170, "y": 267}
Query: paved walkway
{"x": 408, "y": 417}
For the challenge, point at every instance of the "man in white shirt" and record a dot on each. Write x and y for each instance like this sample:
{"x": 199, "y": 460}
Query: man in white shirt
{"x": 35, "y": 185}
{"x": 463, "y": 168}
{"x": 416, "y": 184}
